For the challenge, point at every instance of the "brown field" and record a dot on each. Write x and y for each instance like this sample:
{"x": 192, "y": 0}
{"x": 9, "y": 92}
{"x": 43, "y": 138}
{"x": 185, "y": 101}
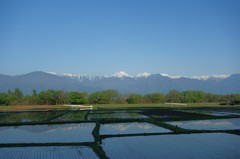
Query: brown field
{"x": 31, "y": 108}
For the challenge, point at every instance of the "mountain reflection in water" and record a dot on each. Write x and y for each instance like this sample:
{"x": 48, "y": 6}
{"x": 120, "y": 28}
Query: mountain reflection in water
{"x": 47, "y": 133}
{"x": 218, "y": 124}
{"x": 130, "y": 128}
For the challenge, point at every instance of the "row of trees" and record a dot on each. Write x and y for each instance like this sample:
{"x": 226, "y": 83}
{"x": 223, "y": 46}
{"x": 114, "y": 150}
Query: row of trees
{"x": 59, "y": 97}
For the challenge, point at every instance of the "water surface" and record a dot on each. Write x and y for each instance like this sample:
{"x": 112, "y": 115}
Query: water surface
{"x": 222, "y": 113}
{"x": 72, "y": 116}
{"x": 27, "y": 117}
{"x": 56, "y": 133}
{"x": 51, "y": 152}
{"x": 194, "y": 146}
{"x": 116, "y": 116}
{"x": 130, "y": 128}
{"x": 218, "y": 124}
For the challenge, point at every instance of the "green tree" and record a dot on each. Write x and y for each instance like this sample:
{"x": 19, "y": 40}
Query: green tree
{"x": 236, "y": 99}
{"x": 194, "y": 97}
{"x": 97, "y": 98}
{"x": 110, "y": 95}
{"x": 11, "y": 98}
{"x": 33, "y": 99}
{"x": 4, "y": 99}
{"x": 43, "y": 98}
{"x": 54, "y": 97}
{"x": 15, "y": 97}
{"x": 47, "y": 97}
{"x": 121, "y": 99}
{"x": 60, "y": 97}
{"x": 50, "y": 97}
{"x": 77, "y": 97}
{"x": 34, "y": 93}
{"x": 134, "y": 99}
{"x": 230, "y": 99}
{"x": 212, "y": 97}
{"x": 103, "y": 97}
{"x": 154, "y": 98}
{"x": 174, "y": 96}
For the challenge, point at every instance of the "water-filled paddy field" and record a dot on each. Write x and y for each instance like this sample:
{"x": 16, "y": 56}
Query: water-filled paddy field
{"x": 57, "y": 133}
{"x": 121, "y": 133}
{"x": 182, "y": 146}
{"x": 130, "y": 128}
{"x": 71, "y": 152}
{"x": 213, "y": 124}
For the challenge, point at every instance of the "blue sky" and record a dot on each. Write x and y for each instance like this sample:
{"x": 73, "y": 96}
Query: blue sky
{"x": 100, "y": 37}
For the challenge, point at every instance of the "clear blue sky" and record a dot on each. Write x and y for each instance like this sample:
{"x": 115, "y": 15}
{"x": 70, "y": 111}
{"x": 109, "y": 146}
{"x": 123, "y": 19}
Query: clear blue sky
{"x": 100, "y": 37}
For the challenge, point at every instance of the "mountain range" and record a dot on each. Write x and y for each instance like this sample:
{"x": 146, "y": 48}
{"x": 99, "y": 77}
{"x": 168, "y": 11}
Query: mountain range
{"x": 142, "y": 83}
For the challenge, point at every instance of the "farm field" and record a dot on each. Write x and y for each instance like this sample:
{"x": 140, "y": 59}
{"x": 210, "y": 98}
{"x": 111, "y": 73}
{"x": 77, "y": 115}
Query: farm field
{"x": 205, "y": 145}
{"x": 73, "y": 152}
{"x": 120, "y": 132}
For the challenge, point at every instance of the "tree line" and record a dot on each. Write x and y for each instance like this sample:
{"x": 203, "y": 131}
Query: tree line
{"x": 59, "y": 97}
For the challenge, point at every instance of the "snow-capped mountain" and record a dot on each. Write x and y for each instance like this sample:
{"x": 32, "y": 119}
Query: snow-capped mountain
{"x": 121, "y": 81}
{"x": 79, "y": 77}
{"x": 120, "y": 74}
{"x": 198, "y": 77}
{"x": 144, "y": 74}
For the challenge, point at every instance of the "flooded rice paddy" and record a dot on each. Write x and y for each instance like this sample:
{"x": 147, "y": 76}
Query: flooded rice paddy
{"x": 73, "y": 116}
{"x": 115, "y": 115}
{"x": 120, "y": 133}
{"x": 47, "y": 133}
{"x": 56, "y": 152}
{"x": 130, "y": 128}
{"x": 214, "y": 112}
{"x": 214, "y": 145}
{"x": 220, "y": 113}
{"x": 24, "y": 117}
{"x": 217, "y": 124}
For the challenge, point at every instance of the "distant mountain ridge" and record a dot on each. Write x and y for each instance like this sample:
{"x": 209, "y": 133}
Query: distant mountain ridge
{"x": 141, "y": 83}
{"x": 122, "y": 74}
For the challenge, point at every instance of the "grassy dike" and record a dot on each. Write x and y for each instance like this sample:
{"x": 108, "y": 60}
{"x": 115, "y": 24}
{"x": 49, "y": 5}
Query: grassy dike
{"x": 167, "y": 105}
{"x": 20, "y": 108}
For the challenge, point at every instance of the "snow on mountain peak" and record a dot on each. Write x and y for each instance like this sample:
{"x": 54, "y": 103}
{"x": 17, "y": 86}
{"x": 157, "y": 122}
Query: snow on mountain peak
{"x": 172, "y": 77}
{"x": 197, "y": 77}
{"x": 121, "y": 74}
{"x": 70, "y": 75}
{"x": 144, "y": 74}
{"x": 165, "y": 75}
{"x": 54, "y": 73}
{"x": 208, "y": 77}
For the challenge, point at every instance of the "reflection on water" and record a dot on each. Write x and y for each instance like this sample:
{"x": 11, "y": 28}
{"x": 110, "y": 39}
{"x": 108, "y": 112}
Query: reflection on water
{"x": 116, "y": 116}
{"x": 115, "y": 111}
{"x": 72, "y": 116}
{"x": 219, "y": 124}
{"x": 47, "y": 133}
{"x": 218, "y": 113}
{"x": 130, "y": 128}
{"x": 51, "y": 152}
{"x": 127, "y": 111}
{"x": 194, "y": 146}
{"x": 27, "y": 117}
